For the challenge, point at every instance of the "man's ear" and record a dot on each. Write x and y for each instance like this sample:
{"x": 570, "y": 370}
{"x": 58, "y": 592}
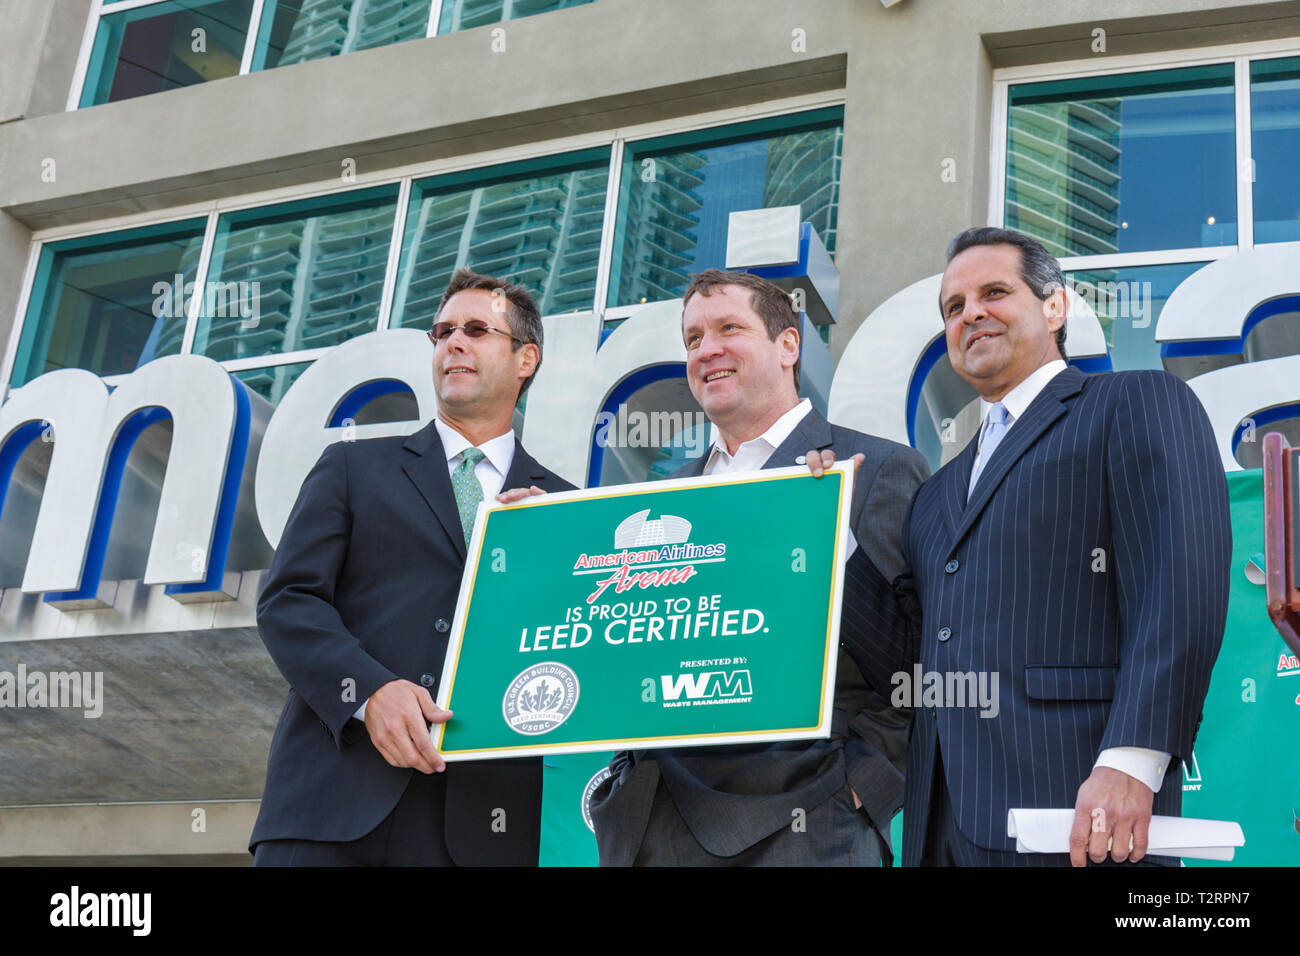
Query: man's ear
{"x": 529, "y": 359}
{"x": 789, "y": 342}
{"x": 1055, "y": 307}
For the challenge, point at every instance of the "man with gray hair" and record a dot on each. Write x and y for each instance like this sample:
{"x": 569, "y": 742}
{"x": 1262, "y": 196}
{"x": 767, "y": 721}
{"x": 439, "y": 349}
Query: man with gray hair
{"x": 357, "y": 609}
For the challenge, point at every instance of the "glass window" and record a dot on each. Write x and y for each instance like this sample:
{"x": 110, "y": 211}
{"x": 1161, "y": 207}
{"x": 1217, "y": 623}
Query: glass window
{"x": 1275, "y": 146}
{"x": 676, "y": 195}
{"x": 1129, "y": 163}
{"x": 294, "y": 31}
{"x": 301, "y": 275}
{"x": 272, "y": 382}
{"x": 109, "y": 303}
{"x": 536, "y": 223}
{"x": 164, "y": 46}
{"x": 1128, "y": 303}
{"x": 464, "y": 14}
{"x": 648, "y": 433}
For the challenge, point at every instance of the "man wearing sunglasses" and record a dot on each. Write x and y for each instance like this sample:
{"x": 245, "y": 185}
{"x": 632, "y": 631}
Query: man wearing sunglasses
{"x": 360, "y": 595}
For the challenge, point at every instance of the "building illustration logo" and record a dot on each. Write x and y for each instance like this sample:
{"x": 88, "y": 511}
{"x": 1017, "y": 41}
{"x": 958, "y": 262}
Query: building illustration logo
{"x": 636, "y": 531}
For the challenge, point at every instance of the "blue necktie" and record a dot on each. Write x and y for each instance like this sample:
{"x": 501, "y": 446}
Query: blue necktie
{"x": 994, "y": 428}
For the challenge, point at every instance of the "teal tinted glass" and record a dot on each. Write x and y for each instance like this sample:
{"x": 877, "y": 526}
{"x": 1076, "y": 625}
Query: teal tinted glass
{"x": 296, "y": 276}
{"x": 1128, "y": 303}
{"x": 271, "y": 383}
{"x": 164, "y": 46}
{"x": 1126, "y": 163}
{"x": 295, "y": 31}
{"x": 537, "y": 224}
{"x": 109, "y": 303}
{"x": 464, "y": 14}
{"x": 1275, "y": 146}
{"x": 676, "y": 195}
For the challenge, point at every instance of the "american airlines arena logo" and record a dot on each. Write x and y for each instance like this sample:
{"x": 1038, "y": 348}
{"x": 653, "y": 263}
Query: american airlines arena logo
{"x": 235, "y": 463}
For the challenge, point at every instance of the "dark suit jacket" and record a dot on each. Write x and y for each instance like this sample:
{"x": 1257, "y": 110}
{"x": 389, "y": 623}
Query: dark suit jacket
{"x": 363, "y": 587}
{"x": 1089, "y": 570}
{"x": 732, "y": 797}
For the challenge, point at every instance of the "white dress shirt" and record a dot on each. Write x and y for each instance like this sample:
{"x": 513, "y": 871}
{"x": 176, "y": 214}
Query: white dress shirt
{"x": 491, "y": 471}
{"x": 1145, "y": 765}
{"x": 753, "y": 454}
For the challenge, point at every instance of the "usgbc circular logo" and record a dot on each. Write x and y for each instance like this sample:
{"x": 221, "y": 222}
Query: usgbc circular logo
{"x": 540, "y": 698}
{"x": 599, "y": 777}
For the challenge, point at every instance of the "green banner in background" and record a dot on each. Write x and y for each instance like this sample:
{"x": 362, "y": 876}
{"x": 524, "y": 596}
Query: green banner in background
{"x": 1247, "y": 753}
{"x": 568, "y": 781}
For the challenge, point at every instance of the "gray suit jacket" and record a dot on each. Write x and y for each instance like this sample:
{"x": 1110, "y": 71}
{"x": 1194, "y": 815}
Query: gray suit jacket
{"x": 731, "y": 797}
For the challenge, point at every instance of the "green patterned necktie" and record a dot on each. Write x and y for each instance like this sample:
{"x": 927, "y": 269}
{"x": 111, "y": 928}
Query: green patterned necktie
{"x": 468, "y": 491}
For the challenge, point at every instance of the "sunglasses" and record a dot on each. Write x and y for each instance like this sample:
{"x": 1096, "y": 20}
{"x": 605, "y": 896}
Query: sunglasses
{"x": 474, "y": 328}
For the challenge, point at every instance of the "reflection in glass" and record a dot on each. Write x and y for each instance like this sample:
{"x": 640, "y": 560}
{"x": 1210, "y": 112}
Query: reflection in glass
{"x": 1128, "y": 303}
{"x": 1275, "y": 146}
{"x": 1128, "y": 163}
{"x": 464, "y": 14}
{"x": 272, "y": 382}
{"x": 165, "y": 46}
{"x": 652, "y": 433}
{"x": 539, "y": 227}
{"x": 677, "y": 194}
{"x": 295, "y": 31}
{"x": 109, "y": 303}
{"x": 296, "y": 276}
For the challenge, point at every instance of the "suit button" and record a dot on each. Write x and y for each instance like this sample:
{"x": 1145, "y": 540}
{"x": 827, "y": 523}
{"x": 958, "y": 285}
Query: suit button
{"x": 428, "y": 680}
{"x": 442, "y": 625}
{"x": 944, "y": 634}
{"x": 952, "y": 566}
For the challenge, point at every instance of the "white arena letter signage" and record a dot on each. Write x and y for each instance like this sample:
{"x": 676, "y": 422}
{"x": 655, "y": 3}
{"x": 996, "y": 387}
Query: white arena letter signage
{"x": 314, "y": 412}
{"x": 1211, "y": 313}
{"x": 93, "y": 432}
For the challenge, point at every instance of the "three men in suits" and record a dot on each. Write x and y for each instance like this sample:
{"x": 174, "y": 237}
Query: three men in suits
{"x": 1078, "y": 549}
{"x": 356, "y": 609}
{"x": 735, "y": 805}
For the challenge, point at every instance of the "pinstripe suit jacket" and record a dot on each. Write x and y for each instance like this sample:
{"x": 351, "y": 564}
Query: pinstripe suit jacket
{"x": 1088, "y": 570}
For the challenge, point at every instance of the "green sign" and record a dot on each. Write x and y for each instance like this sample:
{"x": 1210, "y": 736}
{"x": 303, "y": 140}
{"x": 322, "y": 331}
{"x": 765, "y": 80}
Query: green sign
{"x": 686, "y": 612}
{"x": 1245, "y": 765}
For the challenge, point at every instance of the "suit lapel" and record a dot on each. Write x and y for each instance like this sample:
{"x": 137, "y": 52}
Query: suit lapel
{"x": 695, "y": 468}
{"x": 524, "y": 470}
{"x": 428, "y": 472}
{"x": 813, "y": 431}
{"x": 1045, "y": 409}
{"x": 957, "y": 481}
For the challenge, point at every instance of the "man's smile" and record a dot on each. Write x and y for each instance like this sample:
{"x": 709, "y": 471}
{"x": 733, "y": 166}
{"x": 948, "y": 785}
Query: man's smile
{"x": 980, "y": 336}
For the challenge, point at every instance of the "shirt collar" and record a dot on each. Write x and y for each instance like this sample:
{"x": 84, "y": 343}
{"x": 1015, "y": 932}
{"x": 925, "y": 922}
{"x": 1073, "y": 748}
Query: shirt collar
{"x": 499, "y": 451}
{"x": 774, "y": 437}
{"x": 1018, "y": 400}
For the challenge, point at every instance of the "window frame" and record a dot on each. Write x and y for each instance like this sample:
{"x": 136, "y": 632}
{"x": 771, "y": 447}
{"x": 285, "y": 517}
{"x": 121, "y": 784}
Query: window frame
{"x": 101, "y": 8}
{"x": 613, "y": 139}
{"x": 1240, "y": 55}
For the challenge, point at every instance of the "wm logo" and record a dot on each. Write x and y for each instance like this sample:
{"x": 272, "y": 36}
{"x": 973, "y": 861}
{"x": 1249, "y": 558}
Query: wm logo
{"x": 707, "y": 684}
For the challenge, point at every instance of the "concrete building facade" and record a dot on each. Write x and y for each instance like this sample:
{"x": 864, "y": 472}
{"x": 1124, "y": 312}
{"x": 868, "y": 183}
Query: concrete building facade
{"x": 345, "y": 157}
